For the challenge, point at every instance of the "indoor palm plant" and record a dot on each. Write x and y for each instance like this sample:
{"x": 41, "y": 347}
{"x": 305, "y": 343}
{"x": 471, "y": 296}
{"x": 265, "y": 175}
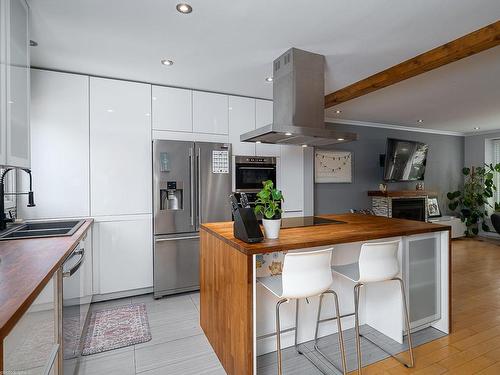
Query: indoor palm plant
{"x": 268, "y": 204}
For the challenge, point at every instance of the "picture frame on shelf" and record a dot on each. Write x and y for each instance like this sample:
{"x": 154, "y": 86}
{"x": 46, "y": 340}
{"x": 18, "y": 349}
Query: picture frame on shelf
{"x": 333, "y": 167}
{"x": 433, "y": 207}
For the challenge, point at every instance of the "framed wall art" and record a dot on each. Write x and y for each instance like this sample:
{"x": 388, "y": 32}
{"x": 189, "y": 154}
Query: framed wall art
{"x": 332, "y": 167}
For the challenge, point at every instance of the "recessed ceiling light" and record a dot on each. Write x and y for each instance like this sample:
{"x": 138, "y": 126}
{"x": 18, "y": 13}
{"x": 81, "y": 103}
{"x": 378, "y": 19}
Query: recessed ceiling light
{"x": 167, "y": 62}
{"x": 304, "y": 145}
{"x": 476, "y": 128}
{"x": 258, "y": 142}
{"x": 288, "y": 133}
{"x": 33, "y": 43}
{"x": 269, "y": 79}
{"x": 184, "y": 8}
{"x": 154, "y": 97}
{"x": 338, "y": 111}
{"x": 340, "y": 139}
{"x": 148, "y": 114}
{"x": 420, "y": 121}
{"x": 110, "y": 110}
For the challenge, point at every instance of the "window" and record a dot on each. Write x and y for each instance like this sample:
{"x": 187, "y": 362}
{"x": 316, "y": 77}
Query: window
{"x": 496, "y": 160}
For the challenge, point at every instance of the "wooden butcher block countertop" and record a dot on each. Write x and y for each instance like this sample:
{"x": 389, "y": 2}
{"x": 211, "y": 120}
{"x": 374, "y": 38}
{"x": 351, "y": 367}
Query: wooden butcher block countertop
{"x": 26, "y": 266}
{"x": 357, "y": 227}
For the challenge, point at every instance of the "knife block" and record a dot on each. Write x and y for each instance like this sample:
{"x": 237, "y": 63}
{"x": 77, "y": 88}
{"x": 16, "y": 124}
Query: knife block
{"x": 245, "y": 226}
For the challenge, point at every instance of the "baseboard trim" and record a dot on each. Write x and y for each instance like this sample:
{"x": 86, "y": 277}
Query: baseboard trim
{"x": 123, "y": 294}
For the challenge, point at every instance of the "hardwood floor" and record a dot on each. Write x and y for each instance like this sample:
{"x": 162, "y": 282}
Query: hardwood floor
{"x": 474, "y": 345}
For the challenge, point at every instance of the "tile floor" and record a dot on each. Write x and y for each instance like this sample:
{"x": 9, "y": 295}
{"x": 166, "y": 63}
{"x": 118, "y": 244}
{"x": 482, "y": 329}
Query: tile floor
{"x": 179, "y": 347}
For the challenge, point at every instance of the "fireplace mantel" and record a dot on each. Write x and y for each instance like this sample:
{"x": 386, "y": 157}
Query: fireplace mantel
{"x": 401, "y": 193}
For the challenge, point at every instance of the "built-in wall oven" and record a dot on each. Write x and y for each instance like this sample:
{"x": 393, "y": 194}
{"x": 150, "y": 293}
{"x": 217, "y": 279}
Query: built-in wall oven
{"x": 251, "y": 171}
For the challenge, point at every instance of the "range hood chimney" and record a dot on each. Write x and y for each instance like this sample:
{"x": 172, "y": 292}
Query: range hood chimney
{"x": 299, "y": 104}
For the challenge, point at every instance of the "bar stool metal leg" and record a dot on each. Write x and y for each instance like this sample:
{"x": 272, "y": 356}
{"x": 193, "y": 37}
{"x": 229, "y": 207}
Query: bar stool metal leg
{"x": 407, "y": 318}
{"x": 407, "y": 322}
{"x": 339, "y": 328}
{"x": 278, "y": 334}
{"x": 356, "y": 324}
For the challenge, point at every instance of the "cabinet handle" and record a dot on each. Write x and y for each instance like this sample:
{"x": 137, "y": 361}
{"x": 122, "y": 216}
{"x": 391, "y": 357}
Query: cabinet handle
{"x": 75, "y": 268}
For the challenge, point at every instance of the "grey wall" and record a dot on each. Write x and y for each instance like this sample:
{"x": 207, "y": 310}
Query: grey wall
{"x": 476, "y": 148}
{"x": 443, "y": 172}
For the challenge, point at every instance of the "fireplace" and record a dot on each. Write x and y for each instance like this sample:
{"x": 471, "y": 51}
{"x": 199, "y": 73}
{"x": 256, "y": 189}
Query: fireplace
{"x": 409, "y": 208}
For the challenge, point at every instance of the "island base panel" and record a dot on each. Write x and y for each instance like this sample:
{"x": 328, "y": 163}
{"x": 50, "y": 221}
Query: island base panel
{"x": 226, "y": 309}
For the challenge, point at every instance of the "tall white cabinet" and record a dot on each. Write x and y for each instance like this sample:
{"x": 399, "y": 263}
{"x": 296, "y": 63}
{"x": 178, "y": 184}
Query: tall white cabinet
{"x": 60, "y": 144}
{"x": 241, "y": 120}
{"x": 120, "y": 147}
{"x": 292, "y": 180}
{"x": 15, "y": 83}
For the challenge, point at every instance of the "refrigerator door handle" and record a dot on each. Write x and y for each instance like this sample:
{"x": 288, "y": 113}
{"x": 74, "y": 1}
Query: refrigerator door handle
{"x": 198, "y": 181}
{"x": 191, "y": 182}
{"x": 176, "y": 238}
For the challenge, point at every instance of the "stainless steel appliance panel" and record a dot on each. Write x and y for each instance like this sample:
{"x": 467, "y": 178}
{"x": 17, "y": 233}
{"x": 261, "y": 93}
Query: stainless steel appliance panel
{"x": 213, "y": 188}
{"x": 71, "y": 310}
{"x": 176, "y": 263}
{"x": 251, "y": 171}
{"x": 174, "y": 162}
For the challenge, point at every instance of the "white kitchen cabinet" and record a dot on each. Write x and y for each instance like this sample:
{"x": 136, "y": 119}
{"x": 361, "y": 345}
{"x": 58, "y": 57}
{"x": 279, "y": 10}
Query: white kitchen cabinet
{"x": 120, "y": 147}
{"x": 60, "y": 146}
{"x": 292, "y": 180}
{"x": 31, "y": 346}
{"x": 241, "y": 120}
{"x": 123, "y": 254}
{"x": 210, "y": 113}
{"x": 263, "y": 117}
{"x": 14, "y": 84}
{"x": 172, "y": 109}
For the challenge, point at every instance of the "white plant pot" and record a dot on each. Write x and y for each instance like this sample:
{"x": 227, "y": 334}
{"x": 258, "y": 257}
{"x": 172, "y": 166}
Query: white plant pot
{"x": 271, "y": 228}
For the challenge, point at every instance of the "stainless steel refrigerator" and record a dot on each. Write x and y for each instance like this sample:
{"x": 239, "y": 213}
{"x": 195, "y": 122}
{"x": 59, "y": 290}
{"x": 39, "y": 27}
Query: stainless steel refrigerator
{"x": 191, "y": 182}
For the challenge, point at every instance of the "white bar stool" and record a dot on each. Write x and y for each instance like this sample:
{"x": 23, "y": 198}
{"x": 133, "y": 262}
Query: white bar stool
{"x": 378, "y": 262}
{"x": 305, "y": 274}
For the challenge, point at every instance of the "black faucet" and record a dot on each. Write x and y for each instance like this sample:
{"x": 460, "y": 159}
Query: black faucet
{"x": 31, "y": 199}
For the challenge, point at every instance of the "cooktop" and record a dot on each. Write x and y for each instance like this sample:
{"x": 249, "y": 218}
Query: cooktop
{"x": 307, "y": 221}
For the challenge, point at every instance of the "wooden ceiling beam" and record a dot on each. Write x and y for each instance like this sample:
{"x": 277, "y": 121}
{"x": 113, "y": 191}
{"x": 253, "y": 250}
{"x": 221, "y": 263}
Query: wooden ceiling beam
{"x": 467, "y": 45}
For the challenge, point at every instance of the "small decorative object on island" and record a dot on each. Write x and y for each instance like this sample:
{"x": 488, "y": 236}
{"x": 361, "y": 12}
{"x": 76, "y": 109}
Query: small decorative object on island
{"x": 268, "y": 204}
{"x": 419, "y": 186}
{"x": 474, "y": 199}
{"x": 382, "y": 187}
{"x": 333, "y": 166}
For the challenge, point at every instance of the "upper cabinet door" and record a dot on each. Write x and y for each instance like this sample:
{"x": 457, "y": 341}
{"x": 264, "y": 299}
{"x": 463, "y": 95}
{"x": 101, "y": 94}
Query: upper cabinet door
{"x": 18, "y": 85}
{"x": 263, "y": 117}
{"x": 210, "y": 113}
{"x": 120, "y": 147}
{"x": 172, "y": 109}
{"x": 60, "y": 146}
{"x": 241, "y": 120}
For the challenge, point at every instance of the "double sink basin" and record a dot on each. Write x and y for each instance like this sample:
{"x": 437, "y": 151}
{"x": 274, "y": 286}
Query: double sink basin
{"x": 41, "y": 229}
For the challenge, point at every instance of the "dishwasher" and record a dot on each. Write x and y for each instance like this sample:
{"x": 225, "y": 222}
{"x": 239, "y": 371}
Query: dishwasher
{"x": 75, "y": 309}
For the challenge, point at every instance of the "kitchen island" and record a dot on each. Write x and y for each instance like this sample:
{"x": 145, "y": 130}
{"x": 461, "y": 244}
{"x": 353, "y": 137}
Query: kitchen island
{"x": 237, "y": 315}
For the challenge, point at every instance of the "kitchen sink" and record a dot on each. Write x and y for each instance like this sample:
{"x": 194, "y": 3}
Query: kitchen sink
{"x": 41, "y": 229}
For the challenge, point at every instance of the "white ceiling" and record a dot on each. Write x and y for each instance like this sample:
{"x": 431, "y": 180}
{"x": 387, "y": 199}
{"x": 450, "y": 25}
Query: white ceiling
{"x": 229, "y": 46}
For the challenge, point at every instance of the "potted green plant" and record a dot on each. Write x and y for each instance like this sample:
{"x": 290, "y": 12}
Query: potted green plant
{"x": 268, "y": 205}
{"x": 472, "y": 201}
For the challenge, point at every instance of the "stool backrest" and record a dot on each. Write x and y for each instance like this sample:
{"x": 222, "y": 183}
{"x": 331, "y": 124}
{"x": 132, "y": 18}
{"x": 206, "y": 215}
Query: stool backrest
{"x": 378, "y": 261}
{"x": 306, "y": 274}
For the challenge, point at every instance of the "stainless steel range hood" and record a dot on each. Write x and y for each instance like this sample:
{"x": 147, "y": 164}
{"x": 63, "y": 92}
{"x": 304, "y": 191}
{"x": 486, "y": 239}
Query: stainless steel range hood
{"x": 299, "y": 109}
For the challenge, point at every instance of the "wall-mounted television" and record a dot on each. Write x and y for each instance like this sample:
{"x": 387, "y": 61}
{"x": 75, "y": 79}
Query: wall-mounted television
{"x": 405, "y": 160}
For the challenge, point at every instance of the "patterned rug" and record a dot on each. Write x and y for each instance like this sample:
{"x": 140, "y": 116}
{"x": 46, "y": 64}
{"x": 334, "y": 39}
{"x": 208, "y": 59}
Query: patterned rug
{"x": 116, "y": 328}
